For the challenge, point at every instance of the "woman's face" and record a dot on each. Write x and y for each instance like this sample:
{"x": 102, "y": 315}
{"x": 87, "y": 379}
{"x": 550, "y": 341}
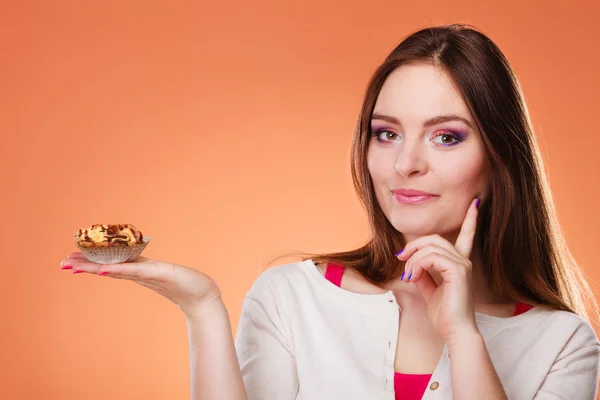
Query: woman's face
{"x": 424, "y": 138}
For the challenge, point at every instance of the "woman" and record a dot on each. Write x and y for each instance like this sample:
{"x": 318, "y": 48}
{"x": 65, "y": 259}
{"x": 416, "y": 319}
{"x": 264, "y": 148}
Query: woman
{"x": 466, "y": 289}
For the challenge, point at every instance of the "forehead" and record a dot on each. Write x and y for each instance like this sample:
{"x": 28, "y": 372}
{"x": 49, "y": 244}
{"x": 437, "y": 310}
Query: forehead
{"x": 420, "y": 91}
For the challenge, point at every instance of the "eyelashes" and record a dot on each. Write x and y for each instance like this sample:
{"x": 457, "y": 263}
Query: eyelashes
{"x": 452, "y": 135}
{"x": 457, "y": 137}
{"x": 377, "y": 133}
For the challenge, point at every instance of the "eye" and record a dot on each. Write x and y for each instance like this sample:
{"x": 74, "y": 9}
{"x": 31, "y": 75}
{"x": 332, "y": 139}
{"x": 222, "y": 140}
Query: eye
{"x": 447, "y": 139}
{"x": 384, "y": 135}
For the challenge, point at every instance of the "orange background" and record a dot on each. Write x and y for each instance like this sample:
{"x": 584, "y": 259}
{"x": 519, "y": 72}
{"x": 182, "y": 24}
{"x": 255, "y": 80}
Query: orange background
{"x": 223, "y": 131}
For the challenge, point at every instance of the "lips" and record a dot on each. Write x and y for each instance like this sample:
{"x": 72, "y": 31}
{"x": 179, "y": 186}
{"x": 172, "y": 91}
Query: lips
{"x": 412, "y": 196}
{"x": 411, "y": 192}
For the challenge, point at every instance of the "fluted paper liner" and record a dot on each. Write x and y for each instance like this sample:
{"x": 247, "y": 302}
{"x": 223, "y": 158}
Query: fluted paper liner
{"x": 113, "y": 255}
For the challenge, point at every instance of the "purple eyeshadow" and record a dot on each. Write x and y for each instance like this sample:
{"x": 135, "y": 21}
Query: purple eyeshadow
{"x": 378, "y": 129}
{"x": 458, "y": 135}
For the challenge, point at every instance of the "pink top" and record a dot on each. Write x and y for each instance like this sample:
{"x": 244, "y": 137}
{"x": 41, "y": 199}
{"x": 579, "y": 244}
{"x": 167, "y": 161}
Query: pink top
{"x": 406, "y": 386}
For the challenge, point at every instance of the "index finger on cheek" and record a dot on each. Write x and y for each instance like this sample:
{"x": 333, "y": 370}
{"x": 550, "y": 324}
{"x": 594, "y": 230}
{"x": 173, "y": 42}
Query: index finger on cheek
{"x": 464, "y": 242}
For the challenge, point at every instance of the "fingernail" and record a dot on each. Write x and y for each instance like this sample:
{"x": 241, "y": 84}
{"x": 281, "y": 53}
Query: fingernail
{"x": 400, "y": 252}
{"x": 410, "y": 276}
{"x": 402, "y": 277}
{"x": 477, "y": 203}
{"x": 103, "y": 273}
{"x": 78, "y": 271}
{"x": 66, "y": 267}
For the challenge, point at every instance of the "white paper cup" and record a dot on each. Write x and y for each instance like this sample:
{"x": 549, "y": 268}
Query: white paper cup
{"x": 113, "y": 255}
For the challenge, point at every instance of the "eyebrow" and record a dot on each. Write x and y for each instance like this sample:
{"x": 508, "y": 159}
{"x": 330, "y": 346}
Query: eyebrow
{"x": 430, "y": 122}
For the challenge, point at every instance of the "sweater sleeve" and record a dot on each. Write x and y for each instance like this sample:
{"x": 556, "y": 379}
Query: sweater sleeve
{"x": 574, "y": 374}
{"x": 264, "y": 352}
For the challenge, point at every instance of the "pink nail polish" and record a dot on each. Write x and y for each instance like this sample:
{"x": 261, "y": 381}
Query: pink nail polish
{"x": 78, "y": 271}
{"x": 103, "y": 273}
{"x": 67, "y": 267}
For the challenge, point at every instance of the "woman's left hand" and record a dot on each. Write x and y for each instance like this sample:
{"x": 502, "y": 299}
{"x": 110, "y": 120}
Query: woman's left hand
{"x": 450, "y": 305}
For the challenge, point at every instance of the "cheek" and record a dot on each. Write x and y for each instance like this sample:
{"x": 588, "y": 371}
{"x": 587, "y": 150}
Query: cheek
{"x": 379, "y": 172}
{"x": 379, "y": 166}
{"x": 465, "y": 173}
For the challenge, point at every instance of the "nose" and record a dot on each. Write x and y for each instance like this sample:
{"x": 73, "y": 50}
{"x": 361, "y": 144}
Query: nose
{"x": 411, "y": 160}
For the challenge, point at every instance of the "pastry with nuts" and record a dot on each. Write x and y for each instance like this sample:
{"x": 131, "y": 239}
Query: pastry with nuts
{"x": 111, "y": 243}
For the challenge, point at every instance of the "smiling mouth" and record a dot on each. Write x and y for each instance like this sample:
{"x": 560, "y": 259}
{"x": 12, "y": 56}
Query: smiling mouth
{"x": 417, "y": 199}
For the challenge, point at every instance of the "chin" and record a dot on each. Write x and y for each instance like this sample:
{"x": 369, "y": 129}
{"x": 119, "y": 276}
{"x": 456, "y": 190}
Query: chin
{"x": 421, "y": 224}
{"x": 415, "y": 229}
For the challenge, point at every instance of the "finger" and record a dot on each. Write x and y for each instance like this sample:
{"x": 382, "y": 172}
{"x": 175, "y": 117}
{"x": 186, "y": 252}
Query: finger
{"x": 426, "y": 285}
{"x": 464, "y": 242}
{"x": 431, "y": 249}
{"x": 80, "y": 265}
{"x": 431, "y": 240}
{"x": 448, "y": 268}
{"x": 134, "y": 269}
{"x": 76, "y": 255}
{"x": 142, "y": 269}
{"x": 67, "y": 263}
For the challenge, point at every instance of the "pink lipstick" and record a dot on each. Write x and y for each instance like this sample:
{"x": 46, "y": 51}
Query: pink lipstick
{"x": 412, "y": 196}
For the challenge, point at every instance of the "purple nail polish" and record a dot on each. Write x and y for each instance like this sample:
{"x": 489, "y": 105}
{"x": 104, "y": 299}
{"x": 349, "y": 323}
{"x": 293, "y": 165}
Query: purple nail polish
{"x": 400, "y": 252}
{"x": 402, "y": 277}
{"x": 477, "y": 203}
{"x": 410, "y": 276}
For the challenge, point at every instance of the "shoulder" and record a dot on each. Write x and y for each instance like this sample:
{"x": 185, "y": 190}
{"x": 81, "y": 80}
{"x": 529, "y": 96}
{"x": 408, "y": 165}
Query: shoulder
{"x": 283, "y": 280}
{"x": 570, "y": 327}
{"x": 576, "y": 356}
{"x": 284, "y": 273}
{"x": 546, "y": 327}
{"x": 583, "y": 332}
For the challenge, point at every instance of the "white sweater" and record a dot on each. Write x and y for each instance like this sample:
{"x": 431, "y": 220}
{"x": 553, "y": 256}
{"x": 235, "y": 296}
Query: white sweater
{"x": 302, "y": 337}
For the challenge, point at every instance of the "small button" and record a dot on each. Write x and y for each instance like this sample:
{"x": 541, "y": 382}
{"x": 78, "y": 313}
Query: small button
{"x": 389, "y": 344}
{"x": 434, "y": 386}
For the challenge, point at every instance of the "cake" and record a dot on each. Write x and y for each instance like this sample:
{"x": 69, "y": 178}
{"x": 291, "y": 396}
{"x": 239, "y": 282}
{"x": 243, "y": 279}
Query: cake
{"x": 104, "y": 235}
{"x": 111, "y": 243}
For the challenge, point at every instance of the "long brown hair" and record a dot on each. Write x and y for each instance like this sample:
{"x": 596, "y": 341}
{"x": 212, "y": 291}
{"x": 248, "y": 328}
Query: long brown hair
{"x": 524, "y": 253}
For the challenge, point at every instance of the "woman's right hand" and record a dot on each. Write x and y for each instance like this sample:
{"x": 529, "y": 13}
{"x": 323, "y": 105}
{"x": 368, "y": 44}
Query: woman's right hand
{"x": 188, "y": 288}
{"x": 214, "y": 369}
